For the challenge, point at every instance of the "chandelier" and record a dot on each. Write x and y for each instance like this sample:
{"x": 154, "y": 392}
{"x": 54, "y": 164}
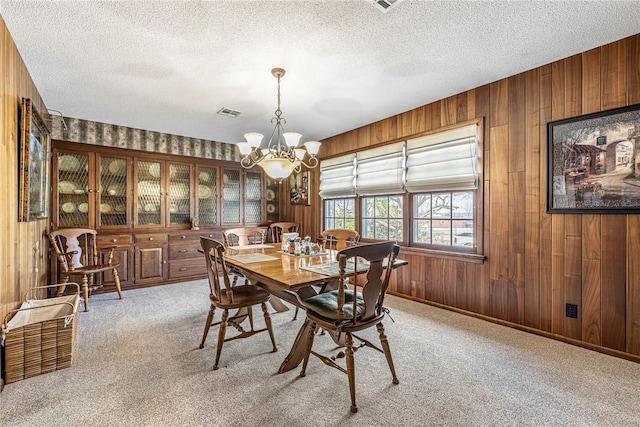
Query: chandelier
{"x": 282, "y": 156}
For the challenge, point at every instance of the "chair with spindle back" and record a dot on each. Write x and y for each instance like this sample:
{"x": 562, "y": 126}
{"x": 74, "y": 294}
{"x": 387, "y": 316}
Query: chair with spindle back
{"x": 78, "y": 255}
{"x": 339, "y": 238}
{"x": 277, "y": 228}
{"x": 242, "y": 236}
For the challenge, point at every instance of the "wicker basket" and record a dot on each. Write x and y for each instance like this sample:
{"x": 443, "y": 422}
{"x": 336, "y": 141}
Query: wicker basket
{"x": 41, "y": 336}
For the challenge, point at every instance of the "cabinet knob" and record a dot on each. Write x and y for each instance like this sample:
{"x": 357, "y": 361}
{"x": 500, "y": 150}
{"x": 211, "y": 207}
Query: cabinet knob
{"x": 183, "y": 251}
{"x": 164, "y": 262}
{"x": 114, "y": 240}
{"x": 210, "y": 235}
{"x": 183, "y": 269}
{"x": 150, "y": 238}
{"x": 183, "y": 237}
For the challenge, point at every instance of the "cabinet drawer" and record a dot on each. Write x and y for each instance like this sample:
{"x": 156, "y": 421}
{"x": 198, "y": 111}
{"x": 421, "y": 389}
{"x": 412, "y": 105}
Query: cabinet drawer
{"x": 185, "y": 251}
{"x": 187, "y": 268}
{"x": 177, "y": 238}
{"x": 114, "y": 240}
{"x": 151, "y": 238}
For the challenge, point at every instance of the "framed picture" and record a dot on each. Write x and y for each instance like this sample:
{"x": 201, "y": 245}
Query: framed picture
{"x": 299, "y": 187}
{"x": 594, "y": 163}
{"x": 35, "y": 152}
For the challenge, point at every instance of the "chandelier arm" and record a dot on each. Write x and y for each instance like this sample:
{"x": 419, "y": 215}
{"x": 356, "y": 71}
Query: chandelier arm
{"x": 313, "y": 162}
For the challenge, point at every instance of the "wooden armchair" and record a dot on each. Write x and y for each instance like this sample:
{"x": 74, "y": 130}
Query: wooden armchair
{"x": 347, "y": 310}
{"x": 227, "y": 297}
{"x": 78, "y": 255}
{"x": 244, "y": 236}
{"x": 277, "y": 228}
{"x": 339, "y": 238}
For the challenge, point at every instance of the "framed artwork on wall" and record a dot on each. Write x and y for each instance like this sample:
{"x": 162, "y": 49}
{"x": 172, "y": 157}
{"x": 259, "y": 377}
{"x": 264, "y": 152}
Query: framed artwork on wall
{"x": 594, "y": 163}
{"x": 299, "y": 188}
{"x": 34, "y": 168}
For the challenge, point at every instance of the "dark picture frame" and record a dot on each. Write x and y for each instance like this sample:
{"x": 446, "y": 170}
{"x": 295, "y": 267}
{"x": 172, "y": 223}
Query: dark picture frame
{"x": 299, "y": 188}
{"x": 594, "y": 162}
{"x": 34, "y": 165}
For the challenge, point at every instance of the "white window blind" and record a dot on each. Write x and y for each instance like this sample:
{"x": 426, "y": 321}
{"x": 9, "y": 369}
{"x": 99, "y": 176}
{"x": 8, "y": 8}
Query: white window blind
{"x": 379, "y": 170}
{"x": 443, "y": 161}
{"x": 337, "y": 177}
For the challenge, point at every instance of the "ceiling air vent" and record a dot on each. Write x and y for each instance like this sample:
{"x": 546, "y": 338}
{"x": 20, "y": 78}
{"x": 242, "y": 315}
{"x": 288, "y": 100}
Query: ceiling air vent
{"x": 384, "y": 5}
{"x": 228, "y": 112}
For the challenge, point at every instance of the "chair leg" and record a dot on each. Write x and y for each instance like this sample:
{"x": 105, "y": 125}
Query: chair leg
{"x": 85, "y": 292}
{"x": 267, "y": 321}
{"x": 207, "y": 325}
{"x": 351, "y": 371}
{"x": 221, "y": 334}
{"x": 307, "y": 353}
{"x": 116, "y": 280}
{"x": 387, "y": 351}
{"x": 62, "y": 287}
{"x": 250, "y": 315}
{"x": 295, "y": 315}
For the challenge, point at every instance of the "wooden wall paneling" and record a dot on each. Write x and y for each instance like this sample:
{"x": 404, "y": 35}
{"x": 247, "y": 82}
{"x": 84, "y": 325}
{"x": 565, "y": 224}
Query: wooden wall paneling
{"x": 449, "y": 283}
{"x": 517, "y": 130}
{"x": 614, "y": 75}
{"x": 532, "y": 200}
{"x": 633, "y": 72}
{"x": 384, "y": 130}
{"x": 470, "y": 103}
{"x": 545, "y": 254}
{"x": 614, "y": 259}
{"x": 499, "y": 103}
{"x": 449, "y": 109}
{"x": 412, "y": 122}
{"x": 633, "y": 285}
{"x": 499, "y": 221}
{"x": 434, "y": 115}
{"x": 435, "y": 286}
{"x": 591, "y": 280}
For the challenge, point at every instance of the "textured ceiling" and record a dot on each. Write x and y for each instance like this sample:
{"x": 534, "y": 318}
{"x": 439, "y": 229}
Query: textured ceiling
{"x": 169, "y": 66}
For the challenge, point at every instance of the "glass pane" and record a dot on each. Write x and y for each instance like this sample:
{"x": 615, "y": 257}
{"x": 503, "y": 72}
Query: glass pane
{"x": 462, "y": 204}
{"x": 73, "y": 188}
{"x": 179, "y": 194}
{"x": 381, "y": 230}
{"x": 422, "y": 231}
{"x": 395, "y": 207}
{"x": 113, "y": 191}
{"x": 339, "y": 223}
{"x": 441, "y": 205}
{"x": 368, "y": 228}
{"x": 395, "y": 230}
{"x": 368, "y": 207}
{"x": 329, "y": 224}
{"x": 442, "y": 232}
{"x": 381, "y": 208}
{"x": 207, "y": 197}
{"x": 231, "y": 196}
{"x": 149, "y": 193}
{"x": 422, "y": 206}
{"x": 253, "y": 204}
{"x": 329, "y": 208}
{"x": 463, "y": 234}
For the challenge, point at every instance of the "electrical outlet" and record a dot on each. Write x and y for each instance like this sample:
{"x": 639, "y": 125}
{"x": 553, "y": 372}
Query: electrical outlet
{"x": 572, "y": 310}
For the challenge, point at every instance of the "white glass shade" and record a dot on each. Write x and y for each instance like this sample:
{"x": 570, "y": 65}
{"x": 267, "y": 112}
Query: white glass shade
{"x": 300, "y": 152}
{"x": 244, "y": 148}
{"x": 312, "y": 147}
{"x": 277, "y": 168}
{"x": 292, "y": 138}
{"x": 254, "y": 139}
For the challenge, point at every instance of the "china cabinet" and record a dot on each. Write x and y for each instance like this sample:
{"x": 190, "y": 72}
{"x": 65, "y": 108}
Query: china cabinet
{"x": 153, "y": 207}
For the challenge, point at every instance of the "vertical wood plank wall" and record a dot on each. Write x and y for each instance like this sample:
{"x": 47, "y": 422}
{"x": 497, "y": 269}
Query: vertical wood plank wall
{"x": 536, "y": 262}
{"x": 23, "y": 248}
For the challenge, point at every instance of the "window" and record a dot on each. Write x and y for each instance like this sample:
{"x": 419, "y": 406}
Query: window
{"x": 382, "y": 218}
{"x": 421, "y": 192}
{"x": 340, "y": 213}
{"x": 444, "y": 219}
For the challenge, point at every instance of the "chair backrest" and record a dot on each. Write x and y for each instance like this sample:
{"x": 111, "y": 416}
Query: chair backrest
{"x": 74, "y": 247}
{"x": 277, "y": 228}
{"x": 358, "y": 258}
{"x": 216, "y": 267}
{"x": 339, "y": 238}
{"x": 244, "y": 236}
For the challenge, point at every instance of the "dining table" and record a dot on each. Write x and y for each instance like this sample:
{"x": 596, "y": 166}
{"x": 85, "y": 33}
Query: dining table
{"x": 292, "y": 278}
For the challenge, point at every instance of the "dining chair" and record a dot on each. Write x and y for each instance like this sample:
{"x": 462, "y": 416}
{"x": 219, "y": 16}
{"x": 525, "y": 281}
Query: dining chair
{"x": 227, "y": 297}
{"x": 347, "y": 310}
{"x": 78, "y": 255}
{"x": 241, "y": 236}
{"x": 277, "y": 228}
{"x": 339, "y": 238}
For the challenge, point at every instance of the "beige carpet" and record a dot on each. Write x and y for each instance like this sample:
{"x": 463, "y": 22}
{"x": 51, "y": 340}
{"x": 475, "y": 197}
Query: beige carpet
{"x": 138, "y": 364}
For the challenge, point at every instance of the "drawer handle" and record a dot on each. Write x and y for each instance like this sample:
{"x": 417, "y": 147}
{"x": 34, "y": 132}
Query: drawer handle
{"x": 210, "y": 235}
{"x": 150, "y": 238}
{"x": 183, "y": 269}
{"x": 183, "y": 251}
{"x": 183, "y": 237}
{"x": 114, "y": 240}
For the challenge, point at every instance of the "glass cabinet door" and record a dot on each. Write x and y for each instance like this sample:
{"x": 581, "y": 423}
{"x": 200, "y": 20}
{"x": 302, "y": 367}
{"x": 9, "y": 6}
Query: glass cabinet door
{"x": 253, "y": 198}
{"x": 207, "y": 194}
{"x": 149, "y": 193}
{"x": 179, "y": 194}
{"x": 74, "y": 208}
{"x": 230, "y": 196}
{"x": 113, "y": 193}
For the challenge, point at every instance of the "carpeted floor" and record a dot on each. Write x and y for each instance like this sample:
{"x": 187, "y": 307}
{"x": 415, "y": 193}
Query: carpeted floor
{"x": 138, "y": 364}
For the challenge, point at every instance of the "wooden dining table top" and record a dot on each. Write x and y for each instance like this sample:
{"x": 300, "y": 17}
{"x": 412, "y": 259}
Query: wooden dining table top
{"x": 285, "y": 271}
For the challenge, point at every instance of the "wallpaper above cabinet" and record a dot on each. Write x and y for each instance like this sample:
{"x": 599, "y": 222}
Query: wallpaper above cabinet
{"x": 97, "y": 133}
